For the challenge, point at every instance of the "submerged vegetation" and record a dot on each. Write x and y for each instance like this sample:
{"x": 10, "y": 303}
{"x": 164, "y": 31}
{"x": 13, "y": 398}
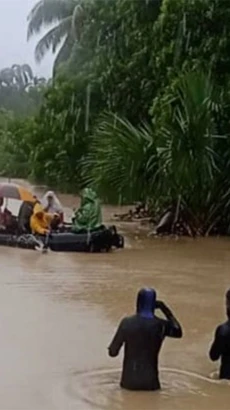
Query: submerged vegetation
{"x": 138, "y": 108}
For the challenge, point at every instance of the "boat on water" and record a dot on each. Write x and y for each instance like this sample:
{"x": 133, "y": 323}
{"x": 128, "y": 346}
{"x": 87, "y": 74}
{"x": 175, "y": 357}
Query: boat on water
{"x": 101, "y": 240}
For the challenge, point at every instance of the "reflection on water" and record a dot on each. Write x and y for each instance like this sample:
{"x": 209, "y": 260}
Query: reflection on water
{"x": 58, "y": 313}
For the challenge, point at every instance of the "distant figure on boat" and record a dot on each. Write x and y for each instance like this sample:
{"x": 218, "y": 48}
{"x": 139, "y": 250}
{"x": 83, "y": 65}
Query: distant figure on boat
{"x": 2, "y": 215}
{"x": 142, "y": 335}
{"x": 220, "y": 348}
{"x": 52, "y": 205}
{"x": 8, "y": 223}
{"x": 89, "y": 216}
{"x": 1, "y": 204}
{"x": 40, "y": 221}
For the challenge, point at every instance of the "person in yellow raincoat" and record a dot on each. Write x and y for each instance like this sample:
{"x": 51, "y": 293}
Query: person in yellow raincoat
{"x": 40, "y": 220}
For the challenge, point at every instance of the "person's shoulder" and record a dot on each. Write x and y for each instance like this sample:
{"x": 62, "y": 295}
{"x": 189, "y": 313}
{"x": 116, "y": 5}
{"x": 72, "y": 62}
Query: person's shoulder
{"x": 223, "y": 328}
{"x": 128, "y": 319}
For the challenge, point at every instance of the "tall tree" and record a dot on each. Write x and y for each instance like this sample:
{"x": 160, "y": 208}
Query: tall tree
{"x": 64, "y": 16}
{"x": 17, "y": 75}
{"x": 20, "y": 77}
{"x": 20, "y": 91}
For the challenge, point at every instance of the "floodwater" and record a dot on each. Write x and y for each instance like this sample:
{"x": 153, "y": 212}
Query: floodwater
{"x": 58, "y": 313}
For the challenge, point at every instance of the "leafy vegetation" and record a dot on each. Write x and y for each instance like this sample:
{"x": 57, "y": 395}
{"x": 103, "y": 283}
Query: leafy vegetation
{"x": 139, "y": 106}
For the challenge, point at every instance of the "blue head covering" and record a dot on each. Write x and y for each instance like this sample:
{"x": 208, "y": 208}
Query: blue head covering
{"x": 146, "y": 302}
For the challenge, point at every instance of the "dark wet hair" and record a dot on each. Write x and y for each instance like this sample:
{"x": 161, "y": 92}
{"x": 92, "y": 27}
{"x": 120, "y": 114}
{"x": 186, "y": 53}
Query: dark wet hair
{"x": 146, "y": 301}
{"x": 228, "y": 295}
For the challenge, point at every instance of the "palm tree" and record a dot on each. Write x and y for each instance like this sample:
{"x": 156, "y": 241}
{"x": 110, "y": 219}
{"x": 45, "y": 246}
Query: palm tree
{"x": 6, "y": 77}
{"x": 188, "y": 147}
{"x": 67, "y": 17}
{"x": 23, "y": 75}
{"x": 18, "y": 76}
{"x": 21, "y": 92}
{"x": 123, "y": 161}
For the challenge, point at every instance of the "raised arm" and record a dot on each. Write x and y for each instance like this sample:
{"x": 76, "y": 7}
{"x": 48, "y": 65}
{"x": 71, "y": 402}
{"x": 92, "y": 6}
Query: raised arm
{"x": 172, "y": 326}
{"x": 117, "y": 341}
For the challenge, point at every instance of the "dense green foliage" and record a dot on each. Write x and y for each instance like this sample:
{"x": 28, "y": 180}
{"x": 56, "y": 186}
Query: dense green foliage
{"x": 139, "y": 107}
{"x": 21, "y": 97}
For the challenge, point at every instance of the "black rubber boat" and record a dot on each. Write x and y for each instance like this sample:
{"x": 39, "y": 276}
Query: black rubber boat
{"x": 100, "y": 240}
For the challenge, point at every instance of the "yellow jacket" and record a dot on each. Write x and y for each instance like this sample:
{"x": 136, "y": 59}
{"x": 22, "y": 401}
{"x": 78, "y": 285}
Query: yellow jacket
{"x": 40, "y": 224}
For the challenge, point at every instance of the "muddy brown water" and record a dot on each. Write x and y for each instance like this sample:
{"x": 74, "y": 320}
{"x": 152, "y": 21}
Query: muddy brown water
{"x": 58, "y": 313}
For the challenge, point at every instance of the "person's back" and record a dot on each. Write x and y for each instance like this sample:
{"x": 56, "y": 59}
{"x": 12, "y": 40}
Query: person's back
{"x": 24, "y": 215}
{"x": 220, "y": 348}
{"x": 143, "y": 340}
{"x": 40, "y": 221}
{"x": 142, "y": 335}
{"x": 89, "y": 215}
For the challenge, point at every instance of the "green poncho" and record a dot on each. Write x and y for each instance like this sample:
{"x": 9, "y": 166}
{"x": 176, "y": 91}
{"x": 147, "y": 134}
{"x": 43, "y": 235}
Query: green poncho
{"x": 88, "y": 216}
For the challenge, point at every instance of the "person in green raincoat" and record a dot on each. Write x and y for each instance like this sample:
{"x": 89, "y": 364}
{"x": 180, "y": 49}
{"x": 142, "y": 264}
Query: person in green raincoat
{"x": 89, "y": 216}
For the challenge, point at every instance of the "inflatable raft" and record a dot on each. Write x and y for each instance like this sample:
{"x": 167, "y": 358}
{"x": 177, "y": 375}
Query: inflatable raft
{"x": 101, "y": 240}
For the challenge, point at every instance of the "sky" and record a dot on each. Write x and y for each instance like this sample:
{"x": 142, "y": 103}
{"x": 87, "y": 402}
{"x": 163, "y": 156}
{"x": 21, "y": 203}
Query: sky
{"x": 14, "y": 48}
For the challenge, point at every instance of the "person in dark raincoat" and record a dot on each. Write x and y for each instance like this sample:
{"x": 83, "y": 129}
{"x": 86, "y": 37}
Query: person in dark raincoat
{"x": 220, "y": 348}
{"x": 142, "y": 335}
{"x": 89, "y": 216}
{"x": 24, "y": 214}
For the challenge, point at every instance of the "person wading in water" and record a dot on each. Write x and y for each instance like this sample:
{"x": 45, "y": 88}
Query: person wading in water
{"x": 143, "y": 335}
{"x": 220, "y": 348}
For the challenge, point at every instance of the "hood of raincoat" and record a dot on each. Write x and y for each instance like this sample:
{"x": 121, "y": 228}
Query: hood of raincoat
{"x": 38, "y": 209}
{"x": 88, "y": 195}
{"x": 55, "y": 205}
{"x": 146, "y": 302}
